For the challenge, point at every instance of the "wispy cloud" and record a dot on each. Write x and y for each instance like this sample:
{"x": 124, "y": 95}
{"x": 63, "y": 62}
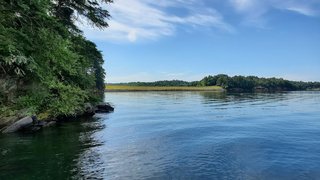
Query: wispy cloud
{"x": 305, "y": 10}
{"x": 134, "y": 20}
{"x": 254, "y": 11}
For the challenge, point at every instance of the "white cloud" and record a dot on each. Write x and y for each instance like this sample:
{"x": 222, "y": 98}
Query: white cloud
{"x": 302, "y": 10}
{"x": 254, "y": 10}
{"x": 303, "y": 7}
{"x": 134, "y": 20}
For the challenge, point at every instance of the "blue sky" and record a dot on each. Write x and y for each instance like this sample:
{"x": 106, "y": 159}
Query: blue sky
{"x": 152, "y": 40}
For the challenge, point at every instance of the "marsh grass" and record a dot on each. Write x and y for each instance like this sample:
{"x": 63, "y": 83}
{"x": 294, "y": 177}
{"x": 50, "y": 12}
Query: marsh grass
{"x": 119, "y": 88}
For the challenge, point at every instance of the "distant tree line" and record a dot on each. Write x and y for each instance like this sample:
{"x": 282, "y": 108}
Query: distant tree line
{"x": 254, "y": 83}
{"x": 237, "y": 83}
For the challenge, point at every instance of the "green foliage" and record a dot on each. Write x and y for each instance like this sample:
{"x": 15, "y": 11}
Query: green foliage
{"x": 66, "y": 99}
{"x": 69, "y": 10}
{"x": 6, "y": 111}
{"x": 36, "y": 99}
{"x": 253, "y": 83}
{"x": 46, "y": 65}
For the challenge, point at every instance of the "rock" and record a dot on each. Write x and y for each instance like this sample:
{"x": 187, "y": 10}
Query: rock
{"x": 89, "y": 109}
{"x": 22, "y": 123}
{"x": 104, "y": 108}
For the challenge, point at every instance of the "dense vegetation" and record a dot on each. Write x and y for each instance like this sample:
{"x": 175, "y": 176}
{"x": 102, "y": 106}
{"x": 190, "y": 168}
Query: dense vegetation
{"x": 237, "y": 83}
{"x": 253, "y": 83}
{"x": 47, "y": 66}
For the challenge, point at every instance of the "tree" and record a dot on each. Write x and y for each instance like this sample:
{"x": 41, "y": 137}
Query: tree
{"x": 46, "y": 63}
{"x": 69, "y": 10}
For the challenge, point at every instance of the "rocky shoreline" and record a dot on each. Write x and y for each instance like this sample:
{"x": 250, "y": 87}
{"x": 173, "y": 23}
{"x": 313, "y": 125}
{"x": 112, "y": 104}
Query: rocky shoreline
{"x": 32, "y": 124}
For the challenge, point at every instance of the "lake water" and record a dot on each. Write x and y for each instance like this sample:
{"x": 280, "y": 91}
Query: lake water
{"x": 177, "y": 135}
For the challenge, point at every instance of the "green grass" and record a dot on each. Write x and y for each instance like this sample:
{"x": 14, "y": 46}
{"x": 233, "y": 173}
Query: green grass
{"x": 119, "y": 88}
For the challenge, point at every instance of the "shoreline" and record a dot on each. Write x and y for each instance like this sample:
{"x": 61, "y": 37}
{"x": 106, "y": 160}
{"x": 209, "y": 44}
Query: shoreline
{"x": 123, "y": 88}
{"x": 107, "y": 91}
{"x": 128, "y": 88}
{"x": 31, "y": 123}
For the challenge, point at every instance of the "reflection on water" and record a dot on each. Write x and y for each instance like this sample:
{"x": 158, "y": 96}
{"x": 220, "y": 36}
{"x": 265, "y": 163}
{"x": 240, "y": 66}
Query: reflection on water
{"x": 177, "y": 135}
{"x": 49, "y": 154}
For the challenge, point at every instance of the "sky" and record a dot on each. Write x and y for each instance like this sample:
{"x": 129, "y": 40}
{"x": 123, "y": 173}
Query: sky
{"x": 150, "y": 40}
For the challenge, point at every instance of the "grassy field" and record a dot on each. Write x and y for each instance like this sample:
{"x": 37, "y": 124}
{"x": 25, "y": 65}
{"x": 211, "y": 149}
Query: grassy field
{"x": 119, "y": 88}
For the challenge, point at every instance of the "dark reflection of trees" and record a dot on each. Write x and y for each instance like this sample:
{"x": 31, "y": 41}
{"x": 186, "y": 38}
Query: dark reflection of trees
{"x": 89, "y": 162}
{"x": 218, "y": 96}
{"x": 49, "y": 154}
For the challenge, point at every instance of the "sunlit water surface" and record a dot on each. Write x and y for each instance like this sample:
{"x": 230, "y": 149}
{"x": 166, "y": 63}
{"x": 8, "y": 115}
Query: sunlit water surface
{"x": 177, "y": 135}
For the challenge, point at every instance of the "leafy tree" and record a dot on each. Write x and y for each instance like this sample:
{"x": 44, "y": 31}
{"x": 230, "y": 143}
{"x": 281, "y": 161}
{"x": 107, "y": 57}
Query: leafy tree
{"x": 69, "y": 10}
{"x": 46, "y": 64}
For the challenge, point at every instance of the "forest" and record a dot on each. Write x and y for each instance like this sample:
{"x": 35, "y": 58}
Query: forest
{"x": 47, "y": 66}
{"x": 237, "y": 83}
{"x": 254, "y": 83}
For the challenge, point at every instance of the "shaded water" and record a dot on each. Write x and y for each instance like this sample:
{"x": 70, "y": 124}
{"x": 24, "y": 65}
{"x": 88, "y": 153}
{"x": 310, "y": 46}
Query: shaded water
{"x": 177, "y": 135}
